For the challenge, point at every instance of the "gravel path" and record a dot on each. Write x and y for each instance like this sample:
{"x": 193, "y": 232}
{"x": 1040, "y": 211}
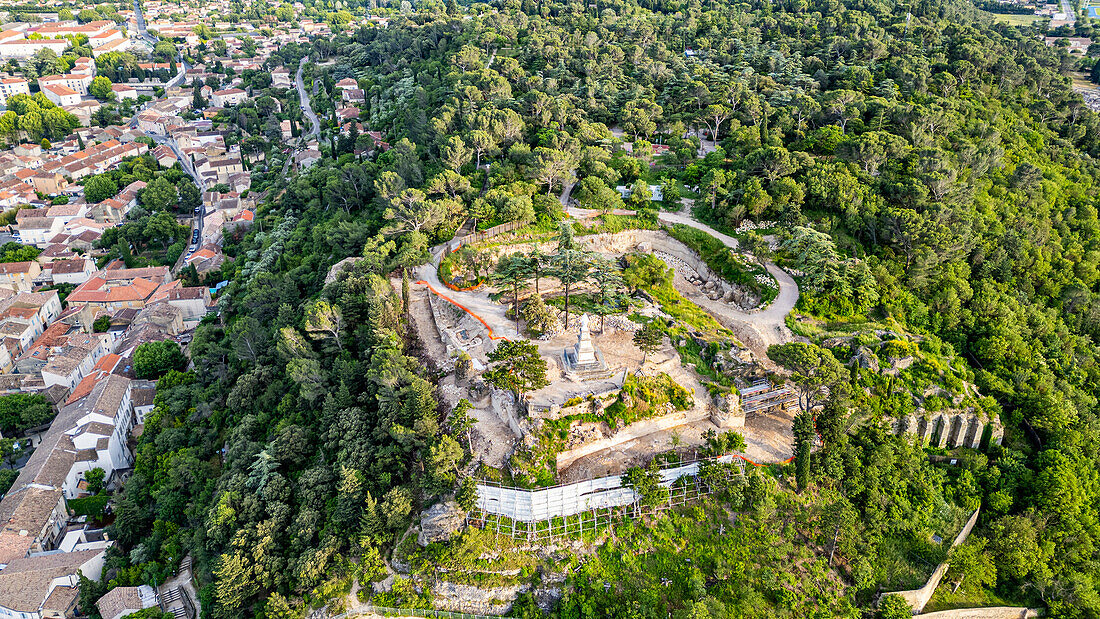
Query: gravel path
{"x": 769, "y": 324}
{"x": 475, "y": 302}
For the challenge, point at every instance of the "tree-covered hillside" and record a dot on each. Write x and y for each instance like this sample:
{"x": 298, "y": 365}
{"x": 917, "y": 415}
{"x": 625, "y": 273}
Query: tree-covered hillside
{"x": 926, "y": 171}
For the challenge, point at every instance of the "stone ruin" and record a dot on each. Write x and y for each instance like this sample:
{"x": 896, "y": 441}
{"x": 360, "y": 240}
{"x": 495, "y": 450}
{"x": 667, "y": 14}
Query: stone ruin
{"x": 726, "y": 412}
{"x": 950, "y": 429}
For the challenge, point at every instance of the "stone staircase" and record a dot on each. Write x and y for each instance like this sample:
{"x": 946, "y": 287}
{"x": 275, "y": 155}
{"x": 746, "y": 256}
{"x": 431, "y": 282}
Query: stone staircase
{"x": 177, "y": 602}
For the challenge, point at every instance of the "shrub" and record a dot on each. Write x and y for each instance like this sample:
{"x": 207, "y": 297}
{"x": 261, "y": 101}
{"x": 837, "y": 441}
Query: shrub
{"x": 540, "y": 321}
{"x": 91, "y": 506}
{"x": 101, "y": 324}
{"x": 897, "y": 349}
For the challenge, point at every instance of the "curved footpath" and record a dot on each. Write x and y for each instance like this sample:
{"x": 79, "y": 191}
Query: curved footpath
{"x": 769, "y": 324}
{"x": 756, "y": 328}
{"x": 473, "y": 302}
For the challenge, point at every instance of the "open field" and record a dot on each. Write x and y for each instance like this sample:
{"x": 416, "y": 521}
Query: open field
{"x": 1017, "y": 20}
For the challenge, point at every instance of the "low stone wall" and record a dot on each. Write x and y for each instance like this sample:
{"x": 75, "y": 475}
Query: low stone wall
{"x": 596, "y": 404}
{"x": 476, "y": 346}
{"x": 503, "y": 405}
{"x": 631, "y": 432}
{"x": 993, "y": 612}
{"x": 918, "y": 598}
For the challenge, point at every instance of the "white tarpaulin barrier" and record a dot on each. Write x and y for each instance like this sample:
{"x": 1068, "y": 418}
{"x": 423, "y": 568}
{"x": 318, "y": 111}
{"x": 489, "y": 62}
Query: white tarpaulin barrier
{"x": 570, "y": 499}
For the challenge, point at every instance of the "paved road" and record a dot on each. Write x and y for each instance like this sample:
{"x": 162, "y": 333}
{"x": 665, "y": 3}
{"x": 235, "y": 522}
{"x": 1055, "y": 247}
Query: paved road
{"x": 185, "y": 163}
{"x": 140, "y": 18}
{"x": 303, "y": 99}
{"x": 1067, "y": 8}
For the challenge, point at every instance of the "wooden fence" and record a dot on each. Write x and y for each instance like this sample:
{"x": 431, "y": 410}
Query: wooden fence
{"x": 477, "y": 237}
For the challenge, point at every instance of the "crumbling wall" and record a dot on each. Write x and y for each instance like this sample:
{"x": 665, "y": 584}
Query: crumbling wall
{"x": 993, "y": 612}
{"x": 631, "y": 432}
{"x": 918, "y": 598}
{"x": 946, "y": 429}
{"x": 503, "y": 404}
{"x": 452, "y": 322}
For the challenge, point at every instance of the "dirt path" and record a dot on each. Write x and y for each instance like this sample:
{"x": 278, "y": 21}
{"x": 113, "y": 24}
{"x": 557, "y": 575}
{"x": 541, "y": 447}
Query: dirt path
{"x": 475, "y": 302}
{"x": 493, "y": 442}
{"x": 421, "y": 315}
{"x": 761, "y": 328}
{"x": 564, "y": 197}
{"x": 758, "y": 329}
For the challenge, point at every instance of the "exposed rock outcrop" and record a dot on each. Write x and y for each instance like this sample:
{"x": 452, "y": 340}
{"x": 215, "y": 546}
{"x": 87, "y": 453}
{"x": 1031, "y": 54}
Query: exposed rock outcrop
{"x": 441, "y": 522}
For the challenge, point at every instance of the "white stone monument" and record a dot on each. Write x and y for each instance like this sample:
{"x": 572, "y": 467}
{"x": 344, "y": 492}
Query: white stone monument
{"x": 584, "y": 353}
{"x": 583, "y": 362}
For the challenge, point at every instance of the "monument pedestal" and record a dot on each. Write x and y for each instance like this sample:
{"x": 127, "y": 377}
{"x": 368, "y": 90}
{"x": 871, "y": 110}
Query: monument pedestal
{"x": 583, "y": 362}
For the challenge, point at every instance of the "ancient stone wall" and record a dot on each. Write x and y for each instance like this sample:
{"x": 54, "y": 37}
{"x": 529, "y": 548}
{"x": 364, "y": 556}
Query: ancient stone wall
{"x": 503, "y": 405}
{"x": 949, "y": 429}
{"x": 918, "y": 598}
{"x": 631, "y": 432}
{"x": 460, "y": 332}
{"x": 993, "y": 612}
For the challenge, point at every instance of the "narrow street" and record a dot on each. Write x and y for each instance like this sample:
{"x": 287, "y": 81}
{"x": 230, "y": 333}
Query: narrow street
{"x": 303, "y": 99}
{"x": 140, "y": 18}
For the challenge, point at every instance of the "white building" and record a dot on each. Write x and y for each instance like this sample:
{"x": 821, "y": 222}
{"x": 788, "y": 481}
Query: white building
{"x": 13, "y": 86}
{"x": 122, "y": 91}
{"x": 229, "y": 96}
{"x": 101, "y": 424}
{"x": 61, "y": 95}
{"x": 23, "y": 48}
{"x": 75, "y": 360}
{"x": 77, "y": 82}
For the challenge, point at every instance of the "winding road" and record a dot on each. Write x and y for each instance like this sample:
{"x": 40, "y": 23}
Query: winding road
{"x": 757, "y": 328}
{"x": 303, "y": 99}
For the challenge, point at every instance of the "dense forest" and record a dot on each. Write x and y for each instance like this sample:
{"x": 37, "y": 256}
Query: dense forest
{"x": 938, "y": 169}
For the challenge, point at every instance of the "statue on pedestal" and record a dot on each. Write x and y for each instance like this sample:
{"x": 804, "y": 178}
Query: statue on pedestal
{"x": 583, "y": 361}
{"x": 584, "y": 352}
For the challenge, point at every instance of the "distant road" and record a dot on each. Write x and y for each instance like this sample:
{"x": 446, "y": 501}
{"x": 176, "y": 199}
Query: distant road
{"x": 139, "y": 17}
{"x": 303, "y": 99}
{"x": 1067, "y": 8}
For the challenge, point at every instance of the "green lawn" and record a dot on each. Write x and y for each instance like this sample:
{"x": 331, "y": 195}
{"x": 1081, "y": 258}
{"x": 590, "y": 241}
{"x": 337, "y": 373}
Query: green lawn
{"x": 1016, "y": 20}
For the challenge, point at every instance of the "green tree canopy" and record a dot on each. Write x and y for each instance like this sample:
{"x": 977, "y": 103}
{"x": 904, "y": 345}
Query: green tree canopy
{"x": 813, "y": 370}
{"x": 517, "y": 367}
{"x": 99, "y": 188}
{"x": 20, "y": 411}
{"x": 154, "y": 359}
